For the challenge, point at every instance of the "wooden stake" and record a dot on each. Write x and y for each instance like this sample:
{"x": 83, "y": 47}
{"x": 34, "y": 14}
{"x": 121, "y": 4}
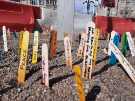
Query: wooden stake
{"x": 95, "y": 46}
{"x": 45, "y": 74}
{"x": 35, "y": 47}
{"x": 131, "y": 43}
{"x": 20, "y": 41}
{"x": 80, "y": 51}
{"x": 23, "y": 58}
{"x": 123, "y": 61}
{"x": 68, "y": 53}
{"x": 5, "y": 38}
{"x": 53, "y": 44}
{"x": 87, "y": 59}
{"x": 79, "y": 82}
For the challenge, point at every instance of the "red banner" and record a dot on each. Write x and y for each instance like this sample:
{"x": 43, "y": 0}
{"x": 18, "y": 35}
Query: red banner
{"x": 18, "y": 16}
{"x": 120, "y": 25}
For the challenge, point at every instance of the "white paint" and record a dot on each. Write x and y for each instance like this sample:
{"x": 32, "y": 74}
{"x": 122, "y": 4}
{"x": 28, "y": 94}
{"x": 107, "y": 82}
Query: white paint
{"x": 123, "y": 61}
{"x": 45, "y": 71}
{"x": 87, "y": 60}
{"x": 131, "y": 43}
{"x": 35, "y": 47}
{"x": 113, "y": 33}
{"x": 82, "y": 44}
{"x": 90, "y": 29}
{"x": 68, "y": 53}
{"x": 5, "y": 38}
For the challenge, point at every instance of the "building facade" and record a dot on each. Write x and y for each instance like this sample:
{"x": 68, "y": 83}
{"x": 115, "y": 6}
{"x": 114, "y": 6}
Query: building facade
{"x": 123, "y": 8}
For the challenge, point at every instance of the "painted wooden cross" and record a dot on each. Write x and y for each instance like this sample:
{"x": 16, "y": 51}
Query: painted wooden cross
{"x": 20, "y": 41}
{"x": 87, "y": 60}
{"x": 23, "y": 58}
{"x": 131, "y": 43}
{"x": 95, "y": 46}
{"x": 123, "y": 61}
{"x": 45, "y": 69}
{"x": 35, "y": 47}
{"x": 79, "y": 82}
{"x": 53, "y": 44}
{"x": 5, "y": 38}
{"x": 68, "y": 53}
{"x": 80, "y": 51}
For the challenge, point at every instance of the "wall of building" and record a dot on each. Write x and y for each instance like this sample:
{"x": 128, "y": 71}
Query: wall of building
{"x": 65, "y": 17}
{"x": 123, "y": 8}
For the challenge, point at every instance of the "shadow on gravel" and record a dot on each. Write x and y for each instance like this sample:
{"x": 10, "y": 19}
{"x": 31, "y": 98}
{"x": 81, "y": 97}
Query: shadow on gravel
{"x": 91, "y": 96}
{"x": 60, "y": 53}
{"x": 39, "y": 59}
{"x": 12, "y": 84}
{"x": 98, "y": 61}
{"x": 31, "y": 72}
{"x": 55, "y": 66}
{"x": 105, "y": 68}
{"x": 120, "y": 66}
{"x": 62, "y": 65}
{"x": 78, "y": 62}
{"x": 5, "y": 90}
{"x": 58, "y": 79}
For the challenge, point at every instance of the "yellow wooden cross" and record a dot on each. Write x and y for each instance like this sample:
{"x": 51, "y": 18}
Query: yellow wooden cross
{"x": 23, "y": 58}
{"x": 35, "y": 48}
{"x": 95, "y": 46}
{"x": 20, "y": 41}
{"x": 79, "y": 82}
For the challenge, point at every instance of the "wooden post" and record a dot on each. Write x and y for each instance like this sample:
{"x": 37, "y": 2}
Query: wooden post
{"x": 95, "y": 46}
{"x": 79, "y": 82}
{"x": 23, "y": 58}
{"x": 53, "y": 44}
{"x": 123, "y": 61}
{"x": 87, "y": 59}
{"x": 20, "y": 41}
{"x": 5, "y": 38}
{"x": 45, "y": 71}
{"x": 9, "y": 37}
{"x": 35, "y": 47}
{"x": 68, "y": 53}
{"x": 131, "y": 43}
{"x": 80, "y": 51}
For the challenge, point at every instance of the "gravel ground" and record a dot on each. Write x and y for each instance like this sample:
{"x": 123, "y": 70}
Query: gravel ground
{"x": 109, "y": 83}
